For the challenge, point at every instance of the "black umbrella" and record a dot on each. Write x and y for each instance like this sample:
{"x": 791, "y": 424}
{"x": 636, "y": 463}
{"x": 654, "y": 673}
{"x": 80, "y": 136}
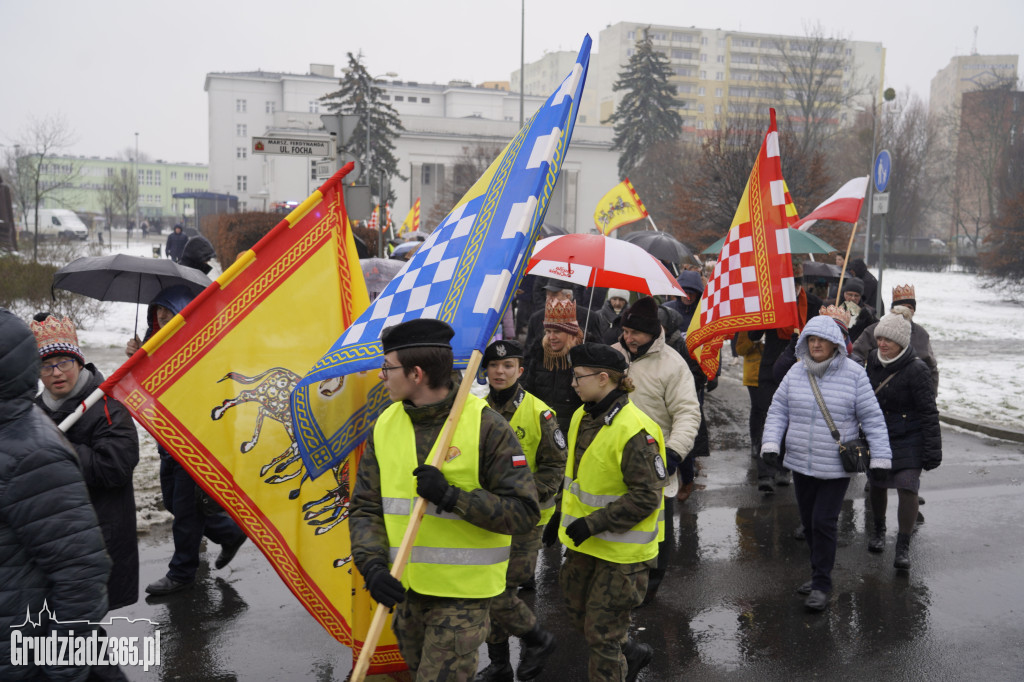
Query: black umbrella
{"x": 120, "y": 277}
{"x": 661, "y": 245}
{"x": 550, "y": 231}
{"x": 814, "y": 270}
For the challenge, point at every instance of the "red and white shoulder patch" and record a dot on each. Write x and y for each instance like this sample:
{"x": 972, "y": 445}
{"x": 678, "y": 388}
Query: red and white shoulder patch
{"x": 547, "y": 415}
{"x": 651, "y": 440}
{"x": 519, "y": 460}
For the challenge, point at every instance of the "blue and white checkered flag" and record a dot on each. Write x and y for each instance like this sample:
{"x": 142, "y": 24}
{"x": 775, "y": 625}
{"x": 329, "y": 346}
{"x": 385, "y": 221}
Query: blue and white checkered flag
{"x": 463, "y": 274}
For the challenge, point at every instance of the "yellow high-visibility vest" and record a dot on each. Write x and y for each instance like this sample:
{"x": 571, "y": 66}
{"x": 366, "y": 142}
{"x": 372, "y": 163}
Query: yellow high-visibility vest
{"x": 526, "y": 420}
{"x": 450, "y": 556}
{"x": 599, "y": 482}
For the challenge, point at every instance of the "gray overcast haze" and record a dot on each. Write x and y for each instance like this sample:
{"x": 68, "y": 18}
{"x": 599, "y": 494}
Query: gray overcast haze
{"x": 114, "y": 68}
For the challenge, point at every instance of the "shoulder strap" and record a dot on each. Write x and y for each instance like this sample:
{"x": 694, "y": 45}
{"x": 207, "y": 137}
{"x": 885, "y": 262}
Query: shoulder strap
{"x": 887, "y": 380}
{"x": 824, "y": 410}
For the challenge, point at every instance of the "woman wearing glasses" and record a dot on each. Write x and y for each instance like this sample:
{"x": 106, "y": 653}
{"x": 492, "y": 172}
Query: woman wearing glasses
{"x": 612, "y": 511}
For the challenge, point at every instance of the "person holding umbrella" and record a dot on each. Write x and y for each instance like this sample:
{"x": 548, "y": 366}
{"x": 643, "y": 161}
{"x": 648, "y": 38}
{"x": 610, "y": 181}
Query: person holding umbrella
{"x": 182, "y": 497}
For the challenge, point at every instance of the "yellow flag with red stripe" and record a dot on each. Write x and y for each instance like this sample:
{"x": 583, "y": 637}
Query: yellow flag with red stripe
{"x": 213, "y": 387}
{"x": 620, "y": 206}
{"x": 412, "y": 220}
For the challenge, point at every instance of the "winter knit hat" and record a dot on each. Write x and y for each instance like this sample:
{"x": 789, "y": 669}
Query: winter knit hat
{"x": 855, "y": 284}
{"x": 618, "y": 293}
{"x": 57, "y": 337}
{"x": 643, "y": 316}
{"x": 894, "y": 327}
{"x": 561, "y": 317}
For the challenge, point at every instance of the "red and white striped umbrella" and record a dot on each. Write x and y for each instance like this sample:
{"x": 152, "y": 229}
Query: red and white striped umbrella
{"x": 594, "y": 260}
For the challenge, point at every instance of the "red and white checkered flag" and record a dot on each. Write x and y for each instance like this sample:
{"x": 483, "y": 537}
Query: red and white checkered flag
{"x": 752, "y": 284}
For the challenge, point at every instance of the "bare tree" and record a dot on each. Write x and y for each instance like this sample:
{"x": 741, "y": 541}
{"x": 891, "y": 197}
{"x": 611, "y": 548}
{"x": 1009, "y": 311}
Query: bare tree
{"x": 814, "y": 77}
{"x": 468, "y": 168}
{"x": 37, "y": 175}
{"x": 983, "y": 130}
{"x": 123, "y": 193}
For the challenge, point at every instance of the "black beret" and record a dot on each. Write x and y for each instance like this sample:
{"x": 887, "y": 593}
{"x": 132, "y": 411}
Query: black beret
{"x": 643, "y": 316}
{"x": 501, "y": 350}
{"x": 597, "y": 355}
{"x": 416, "y": 333}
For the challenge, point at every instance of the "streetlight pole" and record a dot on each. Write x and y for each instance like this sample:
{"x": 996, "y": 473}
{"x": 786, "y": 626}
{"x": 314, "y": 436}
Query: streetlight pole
{"x": 138, "y": 195}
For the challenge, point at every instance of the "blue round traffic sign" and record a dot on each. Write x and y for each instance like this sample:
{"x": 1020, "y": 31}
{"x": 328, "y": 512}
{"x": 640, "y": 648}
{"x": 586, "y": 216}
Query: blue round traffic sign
{"x": 882, "y": 170}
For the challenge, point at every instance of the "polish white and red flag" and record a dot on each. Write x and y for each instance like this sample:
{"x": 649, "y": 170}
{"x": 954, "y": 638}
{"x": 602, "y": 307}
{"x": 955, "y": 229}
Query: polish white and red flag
{"x": 843, "y": 206}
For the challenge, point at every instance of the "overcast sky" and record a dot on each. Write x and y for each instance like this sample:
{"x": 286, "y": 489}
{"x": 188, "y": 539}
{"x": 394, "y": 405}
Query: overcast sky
{"x": 114, "y": 68}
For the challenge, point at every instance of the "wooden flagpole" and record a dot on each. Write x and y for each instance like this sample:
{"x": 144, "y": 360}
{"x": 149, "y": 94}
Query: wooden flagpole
{"x": 405, "y": 549}
{"x": 842, "y": 274}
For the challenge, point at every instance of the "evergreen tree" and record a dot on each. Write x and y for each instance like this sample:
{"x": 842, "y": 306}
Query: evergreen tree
{"x": 358, "y": 95}
{"x": 646, "y": 117}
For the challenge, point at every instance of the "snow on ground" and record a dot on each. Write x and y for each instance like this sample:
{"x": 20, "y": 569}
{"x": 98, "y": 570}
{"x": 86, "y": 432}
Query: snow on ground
{"x": 977, "y": 337}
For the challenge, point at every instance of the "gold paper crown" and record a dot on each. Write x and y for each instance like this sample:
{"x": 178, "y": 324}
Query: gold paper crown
{"x": 840, "y": 314}
{"x": 56, "y": 337}
{"x": 902, "y": 292}
{"x": 561, "y": 316}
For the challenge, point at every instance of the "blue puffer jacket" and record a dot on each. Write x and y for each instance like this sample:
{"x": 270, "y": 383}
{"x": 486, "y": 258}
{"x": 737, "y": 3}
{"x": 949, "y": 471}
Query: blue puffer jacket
{"x": 795, "y": 416}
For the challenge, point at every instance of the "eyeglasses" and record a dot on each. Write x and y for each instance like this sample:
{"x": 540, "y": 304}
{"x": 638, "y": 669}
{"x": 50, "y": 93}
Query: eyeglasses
{"x": 64, "y": 365}
{"x": 576, "y": 377}
{"x": 386, "y": 367}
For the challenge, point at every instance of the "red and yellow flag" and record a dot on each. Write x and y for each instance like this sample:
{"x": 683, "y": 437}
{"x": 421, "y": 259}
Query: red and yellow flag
{"x": 752, "y": 284}
{"x": 213, "y": 387}
{"x": 412, "y": 220}
{"x": 619, "y": 207}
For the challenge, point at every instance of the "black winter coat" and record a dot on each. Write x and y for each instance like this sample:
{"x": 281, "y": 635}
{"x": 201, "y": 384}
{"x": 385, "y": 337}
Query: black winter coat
{"x": 176, "y": 245}
{"x": 554, "y": 387}
{"x": 51, "y": 547}
{"x": 108, "y": 450}
{"x": 908, "y": 403}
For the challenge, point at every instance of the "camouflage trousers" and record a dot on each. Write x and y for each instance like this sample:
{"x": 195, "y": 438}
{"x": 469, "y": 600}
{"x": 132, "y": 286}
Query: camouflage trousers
{"x": 509, "y": 614}
{"x": 439, "y": 636}
{"x": 599, "y": 596}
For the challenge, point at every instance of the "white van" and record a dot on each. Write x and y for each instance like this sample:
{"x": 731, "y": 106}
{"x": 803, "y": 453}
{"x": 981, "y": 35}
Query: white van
{"x": 56, "y": 222}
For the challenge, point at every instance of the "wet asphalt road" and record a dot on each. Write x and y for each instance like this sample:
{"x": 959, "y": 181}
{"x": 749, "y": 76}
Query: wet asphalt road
{"x": 726, "y": 610}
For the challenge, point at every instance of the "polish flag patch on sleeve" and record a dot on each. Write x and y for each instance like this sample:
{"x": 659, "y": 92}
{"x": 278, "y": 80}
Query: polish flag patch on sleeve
{"x": 547, "y": 415}
{"x": 519, "y": 460}
{"x": 651, "y": 440}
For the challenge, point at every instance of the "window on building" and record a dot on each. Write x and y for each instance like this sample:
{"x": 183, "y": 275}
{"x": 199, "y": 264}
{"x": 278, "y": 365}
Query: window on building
{"x": 241, "y": 152}
{"x": 425, "y": 173}
{"x": 399, "y": 98}
{"x": 271, "y": 107}
{"x": 412, "y": 99}
{"x": 703, "y": 75}
{"x": 385, "y": 97}
{"x": 174, "y": 175}
{"x": 700, "y": 91}
{"x": 242, "y": 183}
{"x": 242, "y": 130}
{"x": 240, "y": 106}
{"x": 631, "y": 35}
{"x": 700, "y": 125}
{"x": 704, "y": 58}
{"x": 719, "y": 76}
{"x": 718, "y": 108}
{"x": 720, "y": 59}
{"x": 242, "y": 206}
{"x": 424, "y": 100}
{"x": 718, "y": 92}
{"x": 703, "y": 41}
{"x": 700, "y": 107}
{"x": 314, "y": 106}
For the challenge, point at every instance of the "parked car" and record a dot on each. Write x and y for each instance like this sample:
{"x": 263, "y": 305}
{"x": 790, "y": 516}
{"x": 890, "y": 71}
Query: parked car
{"x": 55, "y": 222}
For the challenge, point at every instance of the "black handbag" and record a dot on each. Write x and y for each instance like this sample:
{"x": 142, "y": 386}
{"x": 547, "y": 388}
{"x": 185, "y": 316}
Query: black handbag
{"x": 854, "y": 454}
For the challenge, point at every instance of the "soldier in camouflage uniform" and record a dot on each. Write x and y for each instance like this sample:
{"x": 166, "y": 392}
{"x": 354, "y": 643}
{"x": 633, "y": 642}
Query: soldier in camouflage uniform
{"x": 544, "y": 447}
{"x": 610, "y": 525}
{"x": 460, "y": 556}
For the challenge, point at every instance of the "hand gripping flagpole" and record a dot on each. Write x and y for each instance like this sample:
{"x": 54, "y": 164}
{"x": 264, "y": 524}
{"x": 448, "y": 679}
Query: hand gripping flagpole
{"x": 405, "y": 549}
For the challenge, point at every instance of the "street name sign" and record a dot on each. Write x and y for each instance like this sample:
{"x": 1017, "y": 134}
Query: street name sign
{"x": 293, "y": 147}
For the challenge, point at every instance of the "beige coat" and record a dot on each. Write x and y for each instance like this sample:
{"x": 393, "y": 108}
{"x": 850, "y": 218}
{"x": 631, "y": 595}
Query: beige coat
{"x": 665, "y": 392}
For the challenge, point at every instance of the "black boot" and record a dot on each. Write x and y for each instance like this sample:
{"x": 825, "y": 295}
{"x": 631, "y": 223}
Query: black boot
{"x": 876, "y": 543}
{"x": 637, "y": 658}
{"x": 538, "y": 645}
{"x": 500, "y": 669}
{"x": 902, "y": 559}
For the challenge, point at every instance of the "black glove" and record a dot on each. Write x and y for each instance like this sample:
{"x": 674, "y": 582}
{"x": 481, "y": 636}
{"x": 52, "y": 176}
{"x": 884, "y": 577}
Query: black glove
{"x": 672, "y": 461}
{"x": 432, "y": 486}
{"x": 930, "y": 464}
{"x": 550, "y": 537}
{"x": 712, "y": 385}
{"x": 578, "y": 531}
{"x": 771, "y": 459}
{"x": 383, "y": 587}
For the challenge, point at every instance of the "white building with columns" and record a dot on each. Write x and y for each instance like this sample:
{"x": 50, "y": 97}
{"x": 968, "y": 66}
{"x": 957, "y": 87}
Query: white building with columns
{"x": 441, "y": 122}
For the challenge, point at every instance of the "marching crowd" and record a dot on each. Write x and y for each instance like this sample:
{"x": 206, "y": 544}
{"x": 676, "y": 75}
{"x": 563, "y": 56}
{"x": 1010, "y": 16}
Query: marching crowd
{"x": 589, "y": 424}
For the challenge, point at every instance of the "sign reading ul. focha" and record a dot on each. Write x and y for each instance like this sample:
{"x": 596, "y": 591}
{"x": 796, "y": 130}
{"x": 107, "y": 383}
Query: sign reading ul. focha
{"x": 293, "y": 147}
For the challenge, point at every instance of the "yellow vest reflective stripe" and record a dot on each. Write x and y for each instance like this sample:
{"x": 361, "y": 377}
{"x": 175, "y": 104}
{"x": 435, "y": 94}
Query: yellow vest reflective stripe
{"x": 450, "y": 556}
{"x": 599, "y": 482}
{"x": 526, "y": 421}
